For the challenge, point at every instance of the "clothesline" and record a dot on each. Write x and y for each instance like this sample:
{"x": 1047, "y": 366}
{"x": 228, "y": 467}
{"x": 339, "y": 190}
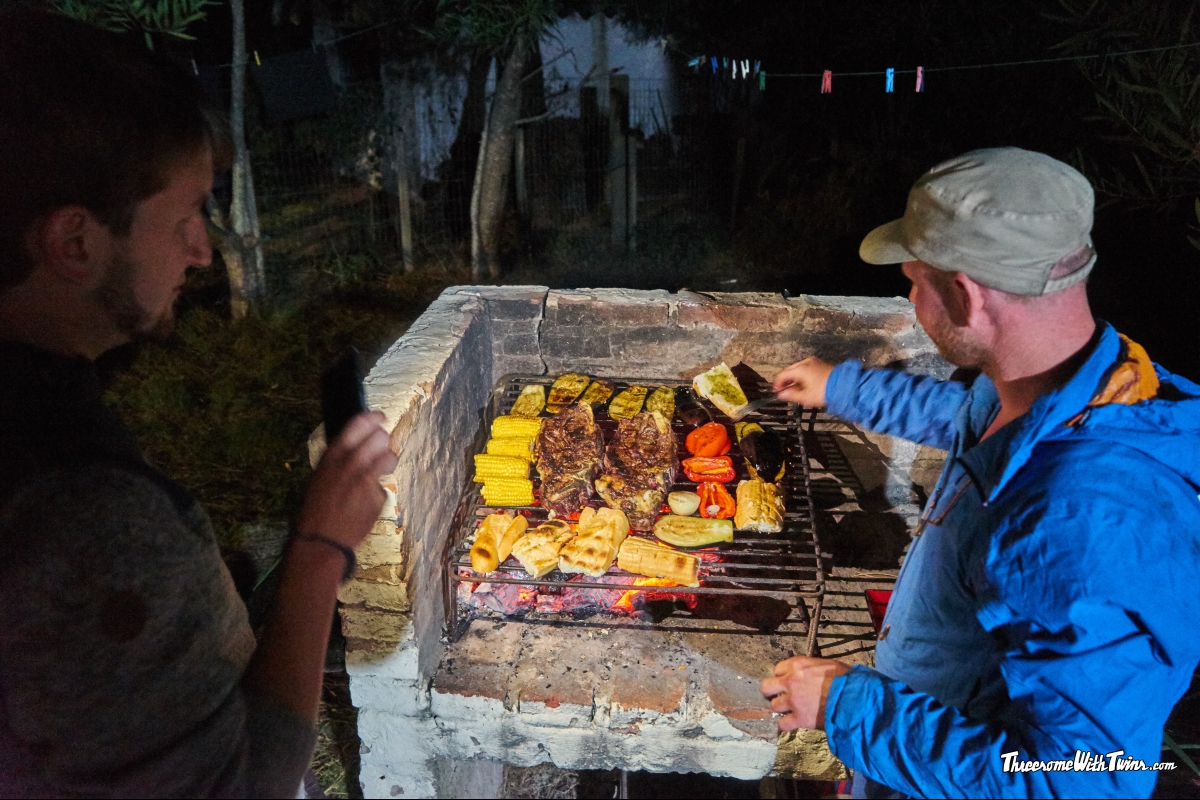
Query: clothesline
{"x": 988, "y": 66}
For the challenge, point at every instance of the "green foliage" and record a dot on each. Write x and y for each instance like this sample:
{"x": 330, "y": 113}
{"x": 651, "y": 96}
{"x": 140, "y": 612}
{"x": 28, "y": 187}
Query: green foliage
{"x": 498, "y": 26}
{"x": 166, "y": 17}
{"x": 1148, "y": 104}
{"x": 226, "y": 408}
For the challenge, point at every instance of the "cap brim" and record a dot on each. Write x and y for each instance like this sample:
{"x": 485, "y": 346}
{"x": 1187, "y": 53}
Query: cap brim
{"x": 882, "y": 246}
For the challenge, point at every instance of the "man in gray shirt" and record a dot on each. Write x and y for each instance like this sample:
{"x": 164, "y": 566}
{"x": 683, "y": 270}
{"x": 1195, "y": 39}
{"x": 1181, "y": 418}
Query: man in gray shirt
{"x": 127, "y": 665}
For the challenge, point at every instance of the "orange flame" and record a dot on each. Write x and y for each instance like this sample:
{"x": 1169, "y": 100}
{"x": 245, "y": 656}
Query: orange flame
{"x": 626, "y": 602}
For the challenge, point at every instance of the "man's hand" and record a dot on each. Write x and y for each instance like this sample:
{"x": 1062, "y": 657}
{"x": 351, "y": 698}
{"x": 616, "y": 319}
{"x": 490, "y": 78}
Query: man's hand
{"x": 799, "y": 689}
{"x": 804, "y": 382}
{"x": 344, "y": 497}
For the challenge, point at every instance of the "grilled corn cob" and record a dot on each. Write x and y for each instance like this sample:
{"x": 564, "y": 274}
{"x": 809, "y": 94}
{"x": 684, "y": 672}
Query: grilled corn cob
{"x": 508, "y": 492}
{"x": 493, "y": 466}
{"x": 515, "y": 427}
{"x": 520, "y": 447}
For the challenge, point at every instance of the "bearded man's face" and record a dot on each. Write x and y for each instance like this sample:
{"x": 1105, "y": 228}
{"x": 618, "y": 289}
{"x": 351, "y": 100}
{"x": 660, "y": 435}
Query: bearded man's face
{"x": 930, "y": 288}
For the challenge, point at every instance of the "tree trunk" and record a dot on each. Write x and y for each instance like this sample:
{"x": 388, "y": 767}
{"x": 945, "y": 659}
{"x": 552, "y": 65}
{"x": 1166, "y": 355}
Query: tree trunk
{"x": 492, "y": 168}
{"x": 247, "y": 282}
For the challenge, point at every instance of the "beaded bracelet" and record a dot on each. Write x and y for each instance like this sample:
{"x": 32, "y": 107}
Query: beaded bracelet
{"x": 351, "y": 560}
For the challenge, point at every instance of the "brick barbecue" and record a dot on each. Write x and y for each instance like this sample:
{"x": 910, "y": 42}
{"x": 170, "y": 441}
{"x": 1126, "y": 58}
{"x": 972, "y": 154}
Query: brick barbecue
{"x": 441, "y": 718}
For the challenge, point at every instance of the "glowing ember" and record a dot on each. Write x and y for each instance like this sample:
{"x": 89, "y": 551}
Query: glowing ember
{"x": 625, "y": 604}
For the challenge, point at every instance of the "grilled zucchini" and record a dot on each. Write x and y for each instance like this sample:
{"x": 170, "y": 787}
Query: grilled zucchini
{"x": 531, "y": 402}
{"x": 662, "y": 400}
{"x": 628, "y": 403}
{"x": 564, "y": 390}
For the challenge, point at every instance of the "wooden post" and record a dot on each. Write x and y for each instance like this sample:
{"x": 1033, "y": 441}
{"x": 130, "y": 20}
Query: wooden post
{"x": 519, "y": 168}
{"x": 618, "y": 135}
{"x": 632, "y": 143}
{"x": 403, "y": 210}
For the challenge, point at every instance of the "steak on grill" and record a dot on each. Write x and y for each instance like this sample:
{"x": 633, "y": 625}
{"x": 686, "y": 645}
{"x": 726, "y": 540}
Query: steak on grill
{"x": 569, "y": 449}
{"x": 639, "y": 468}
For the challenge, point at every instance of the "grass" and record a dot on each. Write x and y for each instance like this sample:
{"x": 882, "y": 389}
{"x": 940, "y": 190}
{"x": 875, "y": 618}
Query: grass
{"x": 225, "y": 407}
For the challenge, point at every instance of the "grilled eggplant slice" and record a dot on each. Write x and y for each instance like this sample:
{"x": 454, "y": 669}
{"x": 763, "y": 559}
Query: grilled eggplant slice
{"x": 564, "y": 391}
{"x": 628, "y": 404}
{"x": 531, "y": 402}
{"x": 764, "y": 453}
{"x": 689, "y": 408}
{"x": 662, "y": 400}
{"x": 597, "y": 393}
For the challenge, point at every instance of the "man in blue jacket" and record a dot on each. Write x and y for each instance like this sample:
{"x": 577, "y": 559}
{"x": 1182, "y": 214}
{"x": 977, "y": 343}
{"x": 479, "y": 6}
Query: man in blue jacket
{"x": 1044, "y": 621}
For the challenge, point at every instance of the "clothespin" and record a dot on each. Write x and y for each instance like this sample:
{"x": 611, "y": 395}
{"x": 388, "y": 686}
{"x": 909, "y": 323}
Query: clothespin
{"x": 195, "y": 69}
{"x": 827, "y": 82}
{"x": 734, "y": 73}
{"x": 714, "y": 65}
{"x": 746, "y": 68}
{"x": 762, "y": 81}
{"x": 920, "y": 79}
{"x": 757, "y": 67}
{"x": 724, "y": 62}
{"x": 256, "y": 61}
{"x": 891, "y": 80}
{"x": 694, "y": 62}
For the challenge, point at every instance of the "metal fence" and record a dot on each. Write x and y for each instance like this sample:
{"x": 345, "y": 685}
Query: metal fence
{"x": 328, "y": 188}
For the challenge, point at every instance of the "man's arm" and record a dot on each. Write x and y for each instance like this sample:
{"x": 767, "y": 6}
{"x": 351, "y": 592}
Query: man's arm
{"x": 124, "y": 646}
{"x": 1090, "y": 619}
{"x": 914, "y": 407}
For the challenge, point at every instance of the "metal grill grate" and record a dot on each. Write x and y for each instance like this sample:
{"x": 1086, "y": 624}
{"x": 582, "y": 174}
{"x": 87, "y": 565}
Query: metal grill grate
{"x": 784, "y": 566}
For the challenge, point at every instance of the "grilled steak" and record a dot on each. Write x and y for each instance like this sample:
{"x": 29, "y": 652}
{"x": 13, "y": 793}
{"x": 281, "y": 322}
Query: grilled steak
{"x": 639, "y": 468}
{"x": 569, "y": 449}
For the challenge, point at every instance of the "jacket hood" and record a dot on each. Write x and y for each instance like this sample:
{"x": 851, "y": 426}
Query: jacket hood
{"x": 1117, "y": 396}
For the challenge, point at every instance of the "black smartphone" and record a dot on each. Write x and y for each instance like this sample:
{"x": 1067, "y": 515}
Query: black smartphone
{"x": 342, "y": 395}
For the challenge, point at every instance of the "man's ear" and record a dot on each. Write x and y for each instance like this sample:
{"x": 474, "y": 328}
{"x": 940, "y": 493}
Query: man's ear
{"x": 71, "y": 243}
{"x": 965, "y": 301}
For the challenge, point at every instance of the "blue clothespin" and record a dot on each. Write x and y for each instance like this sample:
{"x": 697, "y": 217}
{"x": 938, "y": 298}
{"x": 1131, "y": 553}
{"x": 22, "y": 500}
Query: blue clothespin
{"x": 694, "y": 62}
{"x": 758, "y": 66}
{"x": 714, "y": 65}
{"x": 891, "y": 80}
{"x": 724, "y": 62}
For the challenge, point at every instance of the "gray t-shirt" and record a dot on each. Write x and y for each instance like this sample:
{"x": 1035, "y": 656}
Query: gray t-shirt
{"x": 123, "y": 642}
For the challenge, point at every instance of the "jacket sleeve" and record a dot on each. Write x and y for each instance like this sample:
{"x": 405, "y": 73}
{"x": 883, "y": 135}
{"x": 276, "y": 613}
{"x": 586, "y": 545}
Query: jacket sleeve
{"x": 918, "y": 408}
{"x": 122, "y": 649}
{"x": 1087, "y": 614}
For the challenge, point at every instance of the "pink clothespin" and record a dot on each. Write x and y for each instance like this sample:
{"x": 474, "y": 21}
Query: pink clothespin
{"x": 827, "y": 82}
{"x": 920, "y": 79}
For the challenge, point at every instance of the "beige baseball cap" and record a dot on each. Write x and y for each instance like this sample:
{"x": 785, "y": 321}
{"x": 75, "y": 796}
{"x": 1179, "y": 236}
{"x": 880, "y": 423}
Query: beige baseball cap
{"x": 1004, "y": 216}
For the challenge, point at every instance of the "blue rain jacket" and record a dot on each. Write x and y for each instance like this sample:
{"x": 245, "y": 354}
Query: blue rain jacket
{"x": 1049, "y": 604}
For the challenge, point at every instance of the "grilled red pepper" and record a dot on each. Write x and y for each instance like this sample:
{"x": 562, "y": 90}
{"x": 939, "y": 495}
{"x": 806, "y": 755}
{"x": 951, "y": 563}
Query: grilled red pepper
{"x": 715, "y": 501}
{"x": 708, "y": 440}
{"x": 718, "y": 469}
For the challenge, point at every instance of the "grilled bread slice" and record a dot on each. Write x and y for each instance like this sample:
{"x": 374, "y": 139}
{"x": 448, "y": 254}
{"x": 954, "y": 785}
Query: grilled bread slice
{"x": 538, "y": 549}
{"x": 655, "y": 561}
{"x": 485, "y": 551}
{"x": 722, "y": 389}
{"x": 600, "y": 536}
{"x": 516, "y": 529}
